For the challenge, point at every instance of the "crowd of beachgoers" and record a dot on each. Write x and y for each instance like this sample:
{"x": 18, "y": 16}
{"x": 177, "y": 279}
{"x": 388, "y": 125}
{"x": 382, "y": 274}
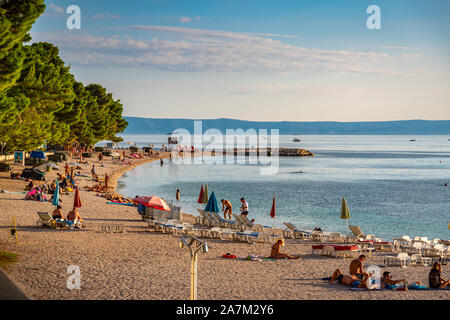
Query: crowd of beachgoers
{"x": 142, "y": 260}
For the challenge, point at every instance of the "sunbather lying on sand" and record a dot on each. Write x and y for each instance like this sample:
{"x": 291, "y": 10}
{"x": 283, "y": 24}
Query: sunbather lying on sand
{"x": 277, "y": 254}
{"x": 348, "y": 280}
{"x": 388, "y": 283}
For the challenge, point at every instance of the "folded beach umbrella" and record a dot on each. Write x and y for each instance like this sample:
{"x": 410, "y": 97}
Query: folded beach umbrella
{"x": 153, "y": 202}
{"x": 345, "y": 213}
{"x": 55, "y": 201}
{"x": 212, "y": 205}
{"x": 273, "y": 214}
{"x": 200, "y": 196}
{"x": 205, "y": 194}
{"x": 77, "y": 199}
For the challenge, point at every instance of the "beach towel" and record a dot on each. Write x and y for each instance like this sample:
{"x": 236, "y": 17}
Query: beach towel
{"x": 121, "y": 203}
{"x": 11, "y": 192}
{"x": 256, "y": 257}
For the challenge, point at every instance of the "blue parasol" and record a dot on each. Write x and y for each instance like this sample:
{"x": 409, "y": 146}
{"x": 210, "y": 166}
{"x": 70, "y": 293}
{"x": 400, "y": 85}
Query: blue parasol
{"x": 212, "y": 205}
{"x": 55, "y": 201}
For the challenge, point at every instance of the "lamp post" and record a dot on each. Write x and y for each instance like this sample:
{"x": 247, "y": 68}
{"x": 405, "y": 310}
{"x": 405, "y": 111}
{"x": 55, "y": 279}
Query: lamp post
{"x": 194, "y": 246}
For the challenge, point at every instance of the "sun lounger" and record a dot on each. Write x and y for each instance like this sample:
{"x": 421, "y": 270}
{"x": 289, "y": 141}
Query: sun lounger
{"x": 45, "y": 220}
{"x": 201, "y": 219}
{"x": 224, "y": 223}
{"x": 239, "y": 222}
{"x": 401, "y": 259}
{"x": 334, "y": 250}
{"x": 418, "y": 259}
{"x": 297, "y": 233}
{"x": 335, "y": 237}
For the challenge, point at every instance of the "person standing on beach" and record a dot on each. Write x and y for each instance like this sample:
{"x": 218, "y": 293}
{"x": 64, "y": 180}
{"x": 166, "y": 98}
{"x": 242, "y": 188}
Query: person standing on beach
{"x": 244, "y": 208}
{"x": 178, "y": 194}
{"x": 93, "y": 171}
{"x": 357, "y": 268}
{"x": 106, "y": 181}
{"x": 227, "y": 208}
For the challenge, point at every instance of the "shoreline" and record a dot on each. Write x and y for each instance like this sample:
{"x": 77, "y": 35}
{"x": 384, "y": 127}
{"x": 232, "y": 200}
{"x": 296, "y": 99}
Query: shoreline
{"x": 145, "y": 265}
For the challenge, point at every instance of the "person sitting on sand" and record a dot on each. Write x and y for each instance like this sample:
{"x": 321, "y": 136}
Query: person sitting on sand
{"x": 434, "y": 277}
{"x": 275, "y": 253}
{"x": 349, "y": 280}
{"x": 32, "y": 194}
{"x": 57, "y": 213}
{"x": 226, "y": 208}
{"x": 74, "y": 215}
{"x": 356, "y": 267}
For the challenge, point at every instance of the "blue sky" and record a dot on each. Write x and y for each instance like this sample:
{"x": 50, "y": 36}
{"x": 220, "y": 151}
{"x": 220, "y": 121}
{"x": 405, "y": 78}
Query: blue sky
{"x": 260, "y": 60}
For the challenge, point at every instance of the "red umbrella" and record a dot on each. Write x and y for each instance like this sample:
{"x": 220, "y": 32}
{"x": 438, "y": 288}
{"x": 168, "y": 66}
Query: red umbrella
{"x": 153, "y": 202}
{"x": 77, "y": 199}
{"x": 200, "y": 196}
{"x": 272, "y": 215}
{"x": 272, "y": 212}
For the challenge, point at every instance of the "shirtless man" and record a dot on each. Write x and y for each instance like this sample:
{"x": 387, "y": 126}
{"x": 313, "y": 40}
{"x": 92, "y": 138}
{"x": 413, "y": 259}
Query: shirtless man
{"x": 275, "y": 253}
{"x": 349, "y": 280}
{"x": 229, "y": 208}
{"x": 357, "y": 268}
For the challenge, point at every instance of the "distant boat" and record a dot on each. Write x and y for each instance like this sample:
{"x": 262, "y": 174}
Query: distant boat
{"x": 413, "y": 140}
{"x": 297, "y": 140}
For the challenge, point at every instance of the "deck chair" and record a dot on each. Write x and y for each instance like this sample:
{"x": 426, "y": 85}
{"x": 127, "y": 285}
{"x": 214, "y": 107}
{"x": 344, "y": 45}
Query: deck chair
{"x": 401, "y": 259}
{"x": 335, "y": 237}
{"x": 417, "y": 259}
{"x": 239, "y": 222}
{"x": 357, "y": 232}
{"x": 224, "y": 223}
{"x": 297, "y": 233}
{"x": 201, "y": 219}
{"x": 246, "y": 222}
{"x": 46, "y": 220}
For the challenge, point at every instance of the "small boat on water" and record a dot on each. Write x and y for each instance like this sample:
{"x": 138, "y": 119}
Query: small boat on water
{"x": 297, "y": 140}
{"x": 413, "y": 140}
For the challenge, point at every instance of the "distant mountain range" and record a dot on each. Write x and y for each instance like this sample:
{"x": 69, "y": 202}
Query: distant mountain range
{"x": 406, "y": 127}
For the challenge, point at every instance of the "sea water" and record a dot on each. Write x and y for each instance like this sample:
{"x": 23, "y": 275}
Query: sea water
{"x": 393, "y": 186}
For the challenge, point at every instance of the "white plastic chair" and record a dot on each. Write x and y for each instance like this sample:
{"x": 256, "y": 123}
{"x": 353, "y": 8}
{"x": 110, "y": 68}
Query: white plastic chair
{"x": 401, "y": 258}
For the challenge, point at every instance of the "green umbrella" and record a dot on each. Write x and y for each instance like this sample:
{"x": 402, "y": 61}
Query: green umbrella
{"x": 345, "y": 213}
{"x": 205, "y": 194}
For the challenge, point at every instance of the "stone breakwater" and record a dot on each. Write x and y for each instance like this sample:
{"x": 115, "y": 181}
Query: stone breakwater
{"x": 294, "y": 152}
{"x": 282, "y": 152}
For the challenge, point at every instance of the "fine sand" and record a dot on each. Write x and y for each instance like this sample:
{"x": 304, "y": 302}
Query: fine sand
{"x": 140, "y": 264}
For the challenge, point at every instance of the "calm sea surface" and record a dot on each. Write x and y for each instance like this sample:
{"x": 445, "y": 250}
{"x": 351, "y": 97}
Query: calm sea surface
{"x": 393, "y": 186}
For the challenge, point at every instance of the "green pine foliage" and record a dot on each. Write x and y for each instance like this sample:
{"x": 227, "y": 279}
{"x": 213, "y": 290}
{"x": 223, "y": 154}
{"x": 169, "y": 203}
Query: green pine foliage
{"x": 40, "y": 100}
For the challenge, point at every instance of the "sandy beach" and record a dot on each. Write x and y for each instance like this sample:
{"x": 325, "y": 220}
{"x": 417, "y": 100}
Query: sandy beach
{"x": 140, "y": 264}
